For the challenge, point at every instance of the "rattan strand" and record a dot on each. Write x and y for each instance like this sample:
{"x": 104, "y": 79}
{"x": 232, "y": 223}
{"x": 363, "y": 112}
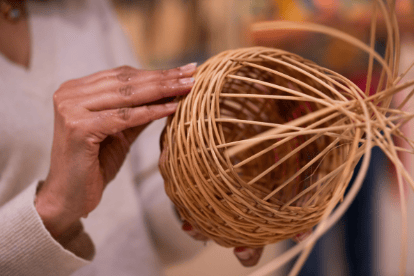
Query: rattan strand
{"x": 264, "y": 146}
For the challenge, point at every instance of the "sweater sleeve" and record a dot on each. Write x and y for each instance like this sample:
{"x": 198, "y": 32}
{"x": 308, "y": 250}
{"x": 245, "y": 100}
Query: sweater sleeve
{"x": 27, "y": 248}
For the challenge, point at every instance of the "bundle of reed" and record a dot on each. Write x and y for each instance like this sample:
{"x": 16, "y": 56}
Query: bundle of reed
{"x": 265, "y": 144}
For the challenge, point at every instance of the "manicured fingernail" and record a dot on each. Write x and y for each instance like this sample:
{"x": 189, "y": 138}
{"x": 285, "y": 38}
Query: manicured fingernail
{"x": 302, "y": 236}
{"x": 187, "y": 227}
{"x": 186, "y": 80}
{"x": 188, "y": 67}
{"x": 243, "y": 253}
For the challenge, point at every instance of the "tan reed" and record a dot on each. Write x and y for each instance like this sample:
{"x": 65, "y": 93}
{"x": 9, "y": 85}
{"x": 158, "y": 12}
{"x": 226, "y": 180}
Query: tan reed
{"x": 265, "y": 144}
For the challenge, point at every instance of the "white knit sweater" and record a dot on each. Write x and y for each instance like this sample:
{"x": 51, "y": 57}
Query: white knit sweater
{"x": 70, "y": 39}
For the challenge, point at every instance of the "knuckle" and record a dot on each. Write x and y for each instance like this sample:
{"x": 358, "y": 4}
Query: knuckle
{"x": 61, "y": 105}
{"x": 71, "y": 126}
{"x": 150, "y": 113}
{"x": 162, "y": 87}
{"x": 62, "y": 95}
{"x": 163, "y": 73}
{"x": 61, "y": 108}
{"x": 68, "y": 83}
{"x": 163, "y": 84}
{"x": 124, "y": 113}
{"x": 125, "y": 73}
{"x": 125, "y": 91}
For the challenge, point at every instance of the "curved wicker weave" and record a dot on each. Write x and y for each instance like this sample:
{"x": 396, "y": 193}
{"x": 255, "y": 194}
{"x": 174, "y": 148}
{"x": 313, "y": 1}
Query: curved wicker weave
{"x": 263, "y": 147}
{"x": 243, "y": 190}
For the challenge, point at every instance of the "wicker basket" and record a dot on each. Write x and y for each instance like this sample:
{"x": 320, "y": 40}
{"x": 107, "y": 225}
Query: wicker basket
{"x": 238, "y": 163}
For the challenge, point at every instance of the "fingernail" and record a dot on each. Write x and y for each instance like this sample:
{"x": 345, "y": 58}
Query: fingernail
{"x": 186, "y": 80}
{"x": 243, "y": 253}
{"x": 187, "y": 226}
{"x": 302, "y": 236}
{"x": 188, "y": 67}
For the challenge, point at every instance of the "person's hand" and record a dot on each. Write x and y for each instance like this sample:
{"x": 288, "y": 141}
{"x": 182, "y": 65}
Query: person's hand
{"x": 97, "y": 118}
{"x": 247, "y": 256}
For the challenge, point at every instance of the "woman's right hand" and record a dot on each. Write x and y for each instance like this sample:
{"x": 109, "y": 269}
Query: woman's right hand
{"x": 97, "y": 118}
{"x": 247, "y": 256}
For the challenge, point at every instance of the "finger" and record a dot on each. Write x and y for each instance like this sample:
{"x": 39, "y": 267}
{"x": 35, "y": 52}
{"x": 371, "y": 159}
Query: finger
{"x": 124, "y": 72}
{"x": 135, "y": 94}
{"x": 175, "y": 73}
{"x": 110, "y": 122}
{"x": 248, "y": 256}
{"x": 128, "y": 74}
{"x": 302, "y": 236}
{"x": 191, "y": 231}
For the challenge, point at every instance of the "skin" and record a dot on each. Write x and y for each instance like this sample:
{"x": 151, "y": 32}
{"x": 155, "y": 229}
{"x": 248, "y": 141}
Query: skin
{"x": 15, "y": 41}
{"x": 97, "y": 118}
{"x": 248, "y": 257}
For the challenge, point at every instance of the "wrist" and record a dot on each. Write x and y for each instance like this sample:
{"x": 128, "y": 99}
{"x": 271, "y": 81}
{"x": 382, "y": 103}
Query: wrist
{"x": 56, "y": 220}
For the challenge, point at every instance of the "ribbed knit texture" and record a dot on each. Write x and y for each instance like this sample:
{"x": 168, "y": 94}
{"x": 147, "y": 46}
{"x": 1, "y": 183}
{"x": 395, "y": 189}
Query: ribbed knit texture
{"x": 26, "y": 247}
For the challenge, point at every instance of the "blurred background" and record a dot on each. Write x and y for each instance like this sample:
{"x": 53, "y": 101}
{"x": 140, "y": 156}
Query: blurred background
{"x": 167, "y": 33}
